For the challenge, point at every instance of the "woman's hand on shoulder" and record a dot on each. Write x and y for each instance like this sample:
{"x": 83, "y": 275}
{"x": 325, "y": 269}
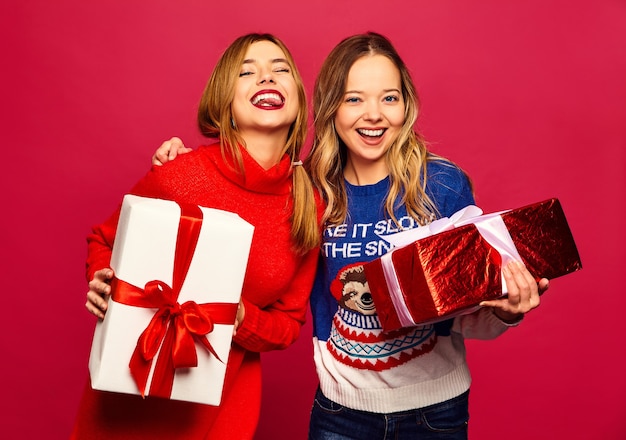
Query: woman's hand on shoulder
{"x": 99, "y": 291}
{"x": 523, "y": 293}
{"x": 169, "y": 150}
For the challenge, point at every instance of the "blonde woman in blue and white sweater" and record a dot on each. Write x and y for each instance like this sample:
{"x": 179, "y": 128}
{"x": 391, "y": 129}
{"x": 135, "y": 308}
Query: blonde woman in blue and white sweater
{"x": 377, "y": 177}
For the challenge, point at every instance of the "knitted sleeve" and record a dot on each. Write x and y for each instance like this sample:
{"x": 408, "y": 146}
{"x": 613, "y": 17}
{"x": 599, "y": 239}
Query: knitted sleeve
{"x": 482, "y": 324}
{"x": 100, "y": 245}
{"x": 277, "y": 326}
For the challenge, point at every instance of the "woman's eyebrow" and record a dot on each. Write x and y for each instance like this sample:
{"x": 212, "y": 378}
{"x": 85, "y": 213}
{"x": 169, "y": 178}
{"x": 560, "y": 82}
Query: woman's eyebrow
{"x": 384, "y": 91}
{"x": 273, "y": 61}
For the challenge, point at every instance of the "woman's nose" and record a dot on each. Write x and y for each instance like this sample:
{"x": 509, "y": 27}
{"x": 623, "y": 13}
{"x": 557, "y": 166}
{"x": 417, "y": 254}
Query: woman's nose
{"x": 266, "y": 77}
{"x": 372, "y": 112}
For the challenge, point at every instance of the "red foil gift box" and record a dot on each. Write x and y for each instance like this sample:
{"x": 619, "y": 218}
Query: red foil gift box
{"x": 450, "y": 272}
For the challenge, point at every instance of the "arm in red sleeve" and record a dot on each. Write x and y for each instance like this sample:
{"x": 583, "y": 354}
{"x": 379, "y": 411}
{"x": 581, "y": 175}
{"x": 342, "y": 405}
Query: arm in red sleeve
{"x": 278, "y": 326}
{"x": 100, "y": 245}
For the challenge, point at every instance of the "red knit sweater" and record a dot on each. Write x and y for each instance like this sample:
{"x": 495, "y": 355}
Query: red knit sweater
{"x": 275, "y": 294}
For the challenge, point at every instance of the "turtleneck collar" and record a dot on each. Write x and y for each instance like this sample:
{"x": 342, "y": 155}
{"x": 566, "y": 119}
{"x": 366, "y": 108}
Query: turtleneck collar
{"x": 275, "y": 180}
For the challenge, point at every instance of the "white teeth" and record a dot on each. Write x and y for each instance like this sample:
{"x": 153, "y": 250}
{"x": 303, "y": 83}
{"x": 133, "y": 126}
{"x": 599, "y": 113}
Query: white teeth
{"x": 371, "y": 133}
{"x": 266, "y": 96}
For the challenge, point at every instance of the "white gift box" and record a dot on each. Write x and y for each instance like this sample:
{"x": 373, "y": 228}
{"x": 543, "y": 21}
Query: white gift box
{"x": 144, "y": 250}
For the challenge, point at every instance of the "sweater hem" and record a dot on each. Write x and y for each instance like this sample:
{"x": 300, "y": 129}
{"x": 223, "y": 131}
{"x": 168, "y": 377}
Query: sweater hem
{"x": 385, "y": 400}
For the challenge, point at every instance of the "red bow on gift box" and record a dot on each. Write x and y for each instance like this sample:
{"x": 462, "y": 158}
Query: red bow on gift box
{"x": 174, "y": 327}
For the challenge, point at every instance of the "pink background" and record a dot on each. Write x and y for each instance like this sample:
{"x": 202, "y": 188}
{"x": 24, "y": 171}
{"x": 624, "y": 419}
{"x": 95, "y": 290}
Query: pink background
{"x": 529, "y": 97}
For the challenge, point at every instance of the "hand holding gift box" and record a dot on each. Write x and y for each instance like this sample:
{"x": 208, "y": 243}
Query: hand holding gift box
{"x": 449, "y": 267}
{"x": 168, "y": 328}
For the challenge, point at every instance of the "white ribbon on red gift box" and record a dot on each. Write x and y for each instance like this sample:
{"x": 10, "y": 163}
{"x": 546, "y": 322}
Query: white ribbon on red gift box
{"x": 490, "y": 226}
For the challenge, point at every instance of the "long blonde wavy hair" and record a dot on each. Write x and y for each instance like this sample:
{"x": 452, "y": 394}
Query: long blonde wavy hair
{"x": 406, "y": 158}
{"x": 214, "y": 120}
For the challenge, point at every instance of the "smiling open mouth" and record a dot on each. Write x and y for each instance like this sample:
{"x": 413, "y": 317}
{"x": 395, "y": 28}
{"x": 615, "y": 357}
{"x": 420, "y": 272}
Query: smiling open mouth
{"x": 370, "y": 133}
{"x": 268, "y": 100}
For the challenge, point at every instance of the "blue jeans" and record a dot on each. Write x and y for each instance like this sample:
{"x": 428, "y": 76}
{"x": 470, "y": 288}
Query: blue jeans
{"x": 446, "y": 420}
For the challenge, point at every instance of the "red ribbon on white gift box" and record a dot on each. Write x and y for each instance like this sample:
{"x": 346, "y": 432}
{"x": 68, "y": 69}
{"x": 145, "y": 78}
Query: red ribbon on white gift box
{"x": 174, "y": 328}
{"x": 490, "y": 226}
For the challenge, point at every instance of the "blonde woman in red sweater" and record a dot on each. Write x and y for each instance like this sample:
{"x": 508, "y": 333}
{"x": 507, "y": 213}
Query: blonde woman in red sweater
{"x": 254, "y": 107}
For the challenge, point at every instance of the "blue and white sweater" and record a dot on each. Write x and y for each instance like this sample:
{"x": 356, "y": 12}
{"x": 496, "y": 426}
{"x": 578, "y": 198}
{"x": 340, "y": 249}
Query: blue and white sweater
{"x": 359, "y": 366}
